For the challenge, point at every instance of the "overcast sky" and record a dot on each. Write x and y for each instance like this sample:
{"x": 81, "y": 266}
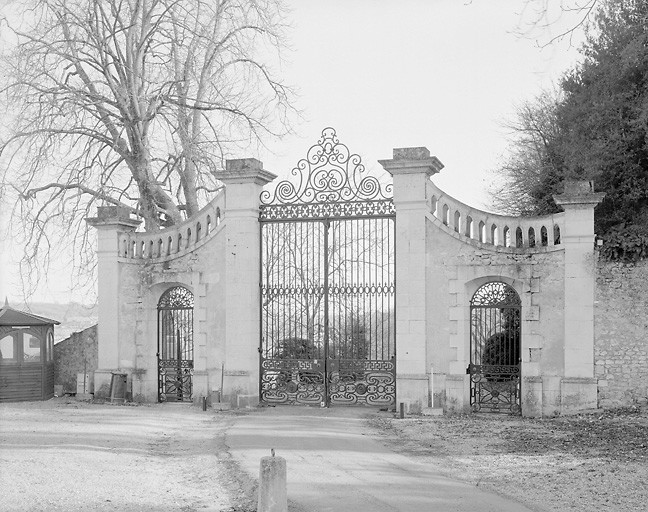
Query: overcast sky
{"x": 443, "y": 74}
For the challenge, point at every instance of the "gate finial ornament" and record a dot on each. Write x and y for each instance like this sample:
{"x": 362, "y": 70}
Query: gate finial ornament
{"x": 329, "y": 173}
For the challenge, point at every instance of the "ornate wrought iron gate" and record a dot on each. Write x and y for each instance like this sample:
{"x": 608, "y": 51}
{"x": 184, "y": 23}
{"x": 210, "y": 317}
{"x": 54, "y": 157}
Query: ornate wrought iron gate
{"x": 327, "y": 284}
{"x": 175, "y": 345}
{"x": 495, "y": 349}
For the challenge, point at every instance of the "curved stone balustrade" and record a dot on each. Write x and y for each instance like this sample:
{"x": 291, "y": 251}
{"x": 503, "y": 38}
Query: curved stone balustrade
{"x": 463, "y": 221}
{"x": 176, "y": 240}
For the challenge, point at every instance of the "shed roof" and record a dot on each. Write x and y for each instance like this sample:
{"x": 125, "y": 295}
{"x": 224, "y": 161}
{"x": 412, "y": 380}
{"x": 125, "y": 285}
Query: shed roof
{"x": 13, "y": 317}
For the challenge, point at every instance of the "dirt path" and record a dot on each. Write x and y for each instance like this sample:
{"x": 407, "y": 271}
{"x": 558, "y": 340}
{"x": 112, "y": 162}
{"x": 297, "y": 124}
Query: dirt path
{"x": 589, "y": 462}
{"x": 75, "y": 456}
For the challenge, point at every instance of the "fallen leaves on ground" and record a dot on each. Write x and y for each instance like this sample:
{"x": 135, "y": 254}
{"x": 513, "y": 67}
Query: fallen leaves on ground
{"x": 585, "y": 462}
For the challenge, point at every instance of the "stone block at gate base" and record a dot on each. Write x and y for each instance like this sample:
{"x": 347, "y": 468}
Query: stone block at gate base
{"x": 412, "y": 390}
{"x": 247, "y": 401}
{"x": 578, "y": 395}
{"x": 102, "y": 383}
{"x": 457, "y": 394}
{"x": 432, "y": 411}
{"x": 550, "y": 395}
{"x": 532, "y": 397}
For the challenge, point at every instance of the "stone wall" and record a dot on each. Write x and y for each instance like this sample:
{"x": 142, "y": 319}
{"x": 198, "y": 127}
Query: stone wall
{"x": 74, "y": 355}
{"x": 621, "y": 332}
{"x": 457, "y": 268}
{"x": 143, "y": 281}
{"x": 217, "y": 261}
{"x": 446, "y": 250}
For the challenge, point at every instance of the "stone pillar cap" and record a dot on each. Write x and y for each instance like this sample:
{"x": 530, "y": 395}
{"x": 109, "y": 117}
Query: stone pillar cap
{"x": 244, "y": 170}
{"x": 411, "y": 161}
{"x": 579, "y": 193}
{"x": 117, "y": 216}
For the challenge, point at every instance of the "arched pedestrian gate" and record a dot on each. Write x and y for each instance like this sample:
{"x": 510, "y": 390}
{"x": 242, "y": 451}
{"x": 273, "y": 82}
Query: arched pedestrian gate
{"x": 327, "y": 284}
{"x": 495, "y": 313}
{"x": 175, "y": 345}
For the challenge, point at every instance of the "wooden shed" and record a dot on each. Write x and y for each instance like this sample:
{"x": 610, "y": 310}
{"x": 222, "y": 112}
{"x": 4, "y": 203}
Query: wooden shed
{"x": 26, "y": 356}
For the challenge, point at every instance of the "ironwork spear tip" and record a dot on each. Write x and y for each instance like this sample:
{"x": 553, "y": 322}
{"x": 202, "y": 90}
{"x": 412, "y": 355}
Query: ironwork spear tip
{"x": 272, "y": 451}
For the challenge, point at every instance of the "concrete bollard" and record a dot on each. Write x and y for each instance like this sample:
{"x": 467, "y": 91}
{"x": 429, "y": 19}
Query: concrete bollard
{"x": 272, "y": 485}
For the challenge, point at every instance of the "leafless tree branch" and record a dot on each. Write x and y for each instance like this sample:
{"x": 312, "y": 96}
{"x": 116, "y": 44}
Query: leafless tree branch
{"x": 134, "y": 103}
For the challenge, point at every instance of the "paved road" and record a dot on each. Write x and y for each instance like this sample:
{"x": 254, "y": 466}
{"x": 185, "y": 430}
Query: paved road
{"x": 333, "y": 466}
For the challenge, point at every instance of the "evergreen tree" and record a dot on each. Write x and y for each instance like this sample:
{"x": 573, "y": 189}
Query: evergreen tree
{"x": 596, "y": 129}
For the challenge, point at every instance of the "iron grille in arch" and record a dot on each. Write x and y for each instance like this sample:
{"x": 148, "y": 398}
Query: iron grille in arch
{"x": 175, "y": 345}
{"x": 329, "y": 182}
{"x": 328, "y": 283}
{"x": 495, "y": 349}
{"x": 176, "y": 298}
{"x": 496, "y": 295}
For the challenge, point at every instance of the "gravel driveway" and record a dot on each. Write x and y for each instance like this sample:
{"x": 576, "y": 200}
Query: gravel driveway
{"x": 69, "y": 455}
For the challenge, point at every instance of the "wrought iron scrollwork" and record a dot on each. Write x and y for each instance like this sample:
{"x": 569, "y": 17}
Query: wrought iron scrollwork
{"x": 495, "y": 388}
{"x": 291, "y": 381}
{"x": 495, "y": 314}
{"x": 380, "y": 208}
{"x": 496, "y": 295}
{"x": 328, "y": 283}
{"x": 362, "y": 382}
{"x": 177, "y": 297}
{"x": 175, "y": 345}
{"x": 175, "y": 380}
{"x": 331, "y": 182}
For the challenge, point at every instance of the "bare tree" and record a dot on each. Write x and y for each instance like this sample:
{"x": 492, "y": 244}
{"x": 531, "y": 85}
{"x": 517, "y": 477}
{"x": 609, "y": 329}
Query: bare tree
{"x": 533, "y": 158}
{"x": 131, "y": 103}
{"x": 550, "y": 21}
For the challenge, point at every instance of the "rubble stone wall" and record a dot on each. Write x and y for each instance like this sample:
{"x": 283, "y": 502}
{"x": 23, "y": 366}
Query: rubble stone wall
{"x": 621, "y": 333}
{"x": 74, "y": 355}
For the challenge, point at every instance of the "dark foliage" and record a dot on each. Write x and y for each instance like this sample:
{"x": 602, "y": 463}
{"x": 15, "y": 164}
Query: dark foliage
{"x": 626, "y": 243}
{"x": 297, "y": 348}
{"x": 350, "y": 343}
{"x": 594, "y": 128}
{"x": 503, "y": 348}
